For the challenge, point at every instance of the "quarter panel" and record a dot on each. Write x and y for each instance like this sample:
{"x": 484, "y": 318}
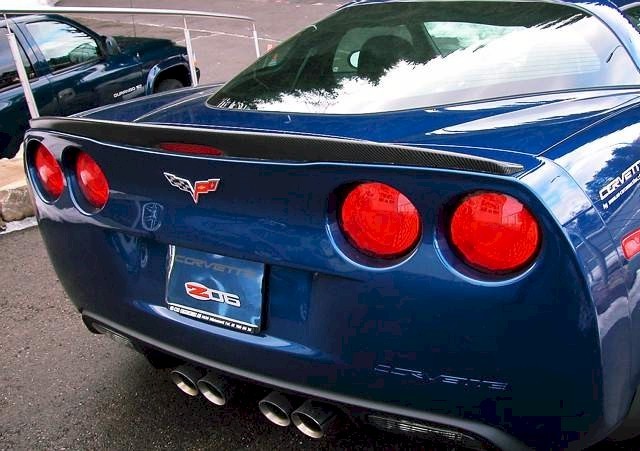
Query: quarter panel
{"x": 604, "y": 160}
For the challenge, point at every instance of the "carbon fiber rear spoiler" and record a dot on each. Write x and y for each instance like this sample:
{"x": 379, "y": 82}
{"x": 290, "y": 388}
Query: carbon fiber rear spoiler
{"x": 272, "y": 146}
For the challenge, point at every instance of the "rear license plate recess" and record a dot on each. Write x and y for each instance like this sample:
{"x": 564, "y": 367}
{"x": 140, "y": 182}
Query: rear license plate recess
{"x": 216, "y": 289}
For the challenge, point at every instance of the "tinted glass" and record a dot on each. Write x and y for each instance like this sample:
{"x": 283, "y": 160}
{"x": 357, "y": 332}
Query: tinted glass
{"x": 449, "y": 37}
{"x": 634, "y": 15}
{"x": 62, "y": 44}
{"x": 8, "y": 72}
{"x": 392, "y": 56}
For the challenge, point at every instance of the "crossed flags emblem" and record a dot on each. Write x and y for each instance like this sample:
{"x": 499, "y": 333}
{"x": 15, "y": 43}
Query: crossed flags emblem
{"x": 199, "y": 187}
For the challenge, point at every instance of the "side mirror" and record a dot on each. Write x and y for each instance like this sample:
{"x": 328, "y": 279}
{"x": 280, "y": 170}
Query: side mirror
{"x": 111, "y": 45}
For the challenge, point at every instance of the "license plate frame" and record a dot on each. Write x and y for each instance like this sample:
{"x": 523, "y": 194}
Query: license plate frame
{"x": 224, "y": 291}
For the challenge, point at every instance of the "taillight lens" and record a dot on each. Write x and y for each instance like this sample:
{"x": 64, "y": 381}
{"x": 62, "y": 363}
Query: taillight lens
{"x": 91, "y": 181}
{"x": 49, "y": 172}
{"x": 494, "y": 232}
{"x": 379, "y": 220}
{"x": 192, "y": 149}
{"x": 631, "y": 244}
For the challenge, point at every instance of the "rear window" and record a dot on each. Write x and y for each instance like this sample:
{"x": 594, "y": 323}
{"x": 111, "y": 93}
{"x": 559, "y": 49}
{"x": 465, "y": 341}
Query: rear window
{"x": 401, "y": 55}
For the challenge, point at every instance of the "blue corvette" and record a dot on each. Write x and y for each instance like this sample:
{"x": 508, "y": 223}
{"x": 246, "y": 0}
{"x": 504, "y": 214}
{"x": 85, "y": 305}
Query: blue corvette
{"x": 417, "y": 216}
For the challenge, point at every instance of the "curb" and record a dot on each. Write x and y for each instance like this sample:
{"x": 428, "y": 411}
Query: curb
{"x": 15, "y": 204}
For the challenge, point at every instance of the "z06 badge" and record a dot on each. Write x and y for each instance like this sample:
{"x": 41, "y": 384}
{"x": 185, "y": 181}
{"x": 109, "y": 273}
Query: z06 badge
{"x": 202, "y": 293}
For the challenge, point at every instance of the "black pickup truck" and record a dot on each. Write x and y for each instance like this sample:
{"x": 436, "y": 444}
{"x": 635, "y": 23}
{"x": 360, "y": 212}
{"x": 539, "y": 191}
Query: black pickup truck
{"x": 72, "y": 69}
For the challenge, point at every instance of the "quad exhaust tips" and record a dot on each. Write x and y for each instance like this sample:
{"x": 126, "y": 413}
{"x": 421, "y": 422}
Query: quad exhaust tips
{"x": 217, "y": 389}
{"x": 277, "y": 408}
{"x": 191, "y": 380}
{"x": 186, "y": 379}
{"x": 315, "y": 419}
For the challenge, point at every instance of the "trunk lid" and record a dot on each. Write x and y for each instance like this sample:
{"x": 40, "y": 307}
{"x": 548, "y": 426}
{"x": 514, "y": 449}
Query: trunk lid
{"x": 528, "y": 125}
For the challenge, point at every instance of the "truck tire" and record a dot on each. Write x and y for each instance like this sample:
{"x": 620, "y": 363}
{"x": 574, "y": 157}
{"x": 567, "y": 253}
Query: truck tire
{"x": 169, "y": 84}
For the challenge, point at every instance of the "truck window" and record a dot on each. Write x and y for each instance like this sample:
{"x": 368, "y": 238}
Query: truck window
{"x": 8, "y": 72}
{"x": 63, "y": 45}
{"x": 634, "y": 15}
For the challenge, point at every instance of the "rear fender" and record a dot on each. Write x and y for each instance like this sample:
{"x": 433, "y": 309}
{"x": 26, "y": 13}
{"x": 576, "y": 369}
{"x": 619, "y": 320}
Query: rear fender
{"x": 603, "y": 278}
{"x": 603, "y": 160}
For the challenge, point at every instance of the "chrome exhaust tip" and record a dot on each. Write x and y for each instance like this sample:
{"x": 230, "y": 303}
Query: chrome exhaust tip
{"x": 217, "y": 389}
{"x": 277, "y": 408}
{"x": 186, "y": 379}
{"x": 315, "y": 419}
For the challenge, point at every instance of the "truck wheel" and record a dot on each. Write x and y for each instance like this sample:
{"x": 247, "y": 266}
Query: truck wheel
{"x": 169, "y": 84}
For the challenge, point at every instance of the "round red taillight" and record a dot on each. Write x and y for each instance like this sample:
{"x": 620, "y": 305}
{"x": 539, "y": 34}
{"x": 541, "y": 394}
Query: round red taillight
{"x": 92, "y": 181}
{"x": 49, "y": 172}
{"x": 379, "y": 220}
{"x": 494, "y": 232}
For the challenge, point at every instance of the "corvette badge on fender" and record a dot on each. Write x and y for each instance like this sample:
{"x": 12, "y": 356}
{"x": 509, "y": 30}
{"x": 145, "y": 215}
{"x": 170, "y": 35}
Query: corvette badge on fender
{"x": 199, "y": 187}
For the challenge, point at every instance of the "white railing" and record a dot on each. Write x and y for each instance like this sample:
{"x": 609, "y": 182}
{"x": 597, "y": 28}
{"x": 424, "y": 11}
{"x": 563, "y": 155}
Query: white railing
{"x": 22, "y": 74}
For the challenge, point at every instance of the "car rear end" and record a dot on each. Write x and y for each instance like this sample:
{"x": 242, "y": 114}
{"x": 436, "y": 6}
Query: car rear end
{"x": 403, "y": 326}
{"x": 414, "y": 289}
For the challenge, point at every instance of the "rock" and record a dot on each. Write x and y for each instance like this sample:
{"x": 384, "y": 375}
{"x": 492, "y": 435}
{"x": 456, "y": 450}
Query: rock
{"x": 15, "y": 204}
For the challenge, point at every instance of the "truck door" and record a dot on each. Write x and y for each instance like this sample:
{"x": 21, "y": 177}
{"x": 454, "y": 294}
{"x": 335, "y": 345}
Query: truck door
{"x": 14, "y": 114}
{"x": 82, "y": 75}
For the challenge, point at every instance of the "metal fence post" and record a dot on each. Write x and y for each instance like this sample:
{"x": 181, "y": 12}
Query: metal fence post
{"x": 22, "y": 73}
{"x": 190, "y": 55}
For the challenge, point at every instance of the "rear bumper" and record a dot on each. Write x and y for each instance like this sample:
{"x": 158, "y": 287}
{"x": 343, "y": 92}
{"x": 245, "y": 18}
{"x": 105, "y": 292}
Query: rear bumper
{"x": 542, "y": 372}
{"x": 488, "y": 436}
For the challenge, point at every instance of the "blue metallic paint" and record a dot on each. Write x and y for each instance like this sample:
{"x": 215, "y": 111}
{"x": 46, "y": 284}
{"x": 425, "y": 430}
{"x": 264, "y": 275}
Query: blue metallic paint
{"x": 568, "y": 350}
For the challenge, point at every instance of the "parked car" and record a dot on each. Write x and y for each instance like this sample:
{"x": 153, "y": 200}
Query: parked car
{"x": 417, "y": 216}
{"x": 73, "y": 69}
